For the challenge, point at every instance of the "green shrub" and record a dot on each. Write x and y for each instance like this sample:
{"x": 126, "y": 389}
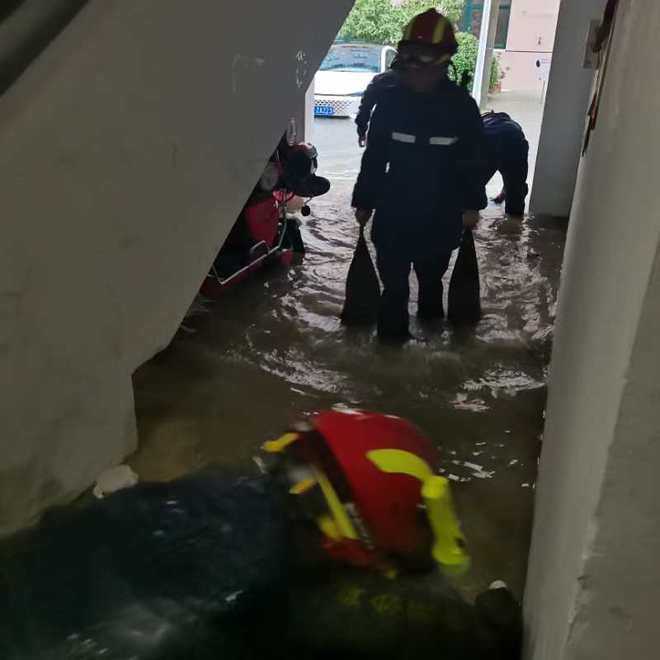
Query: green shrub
{"x": 452, "y": 9}
{"x": 496, "y": 74}
{"x": 465, "y": 60}
{"x": 381, "y": 22}
{"x": 373, "y": 21}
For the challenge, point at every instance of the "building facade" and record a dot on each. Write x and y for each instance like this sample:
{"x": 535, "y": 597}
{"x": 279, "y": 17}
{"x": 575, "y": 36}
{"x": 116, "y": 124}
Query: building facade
{"x": 524, "y": 40}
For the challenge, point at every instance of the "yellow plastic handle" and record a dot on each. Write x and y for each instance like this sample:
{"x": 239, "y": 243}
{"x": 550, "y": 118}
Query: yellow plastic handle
{"x": 279, "y": 445}
{"x": 449, "y": 543}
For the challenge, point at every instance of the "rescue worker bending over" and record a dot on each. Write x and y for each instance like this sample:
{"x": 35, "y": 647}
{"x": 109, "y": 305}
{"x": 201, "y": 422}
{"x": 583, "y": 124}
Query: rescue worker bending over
{"x": 421, "y": 173}
{"x": 507, "y": 152}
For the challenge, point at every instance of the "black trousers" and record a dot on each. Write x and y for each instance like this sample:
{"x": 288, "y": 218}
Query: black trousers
{"x": 394, "y": 265}
{"x": 513, "y": 166}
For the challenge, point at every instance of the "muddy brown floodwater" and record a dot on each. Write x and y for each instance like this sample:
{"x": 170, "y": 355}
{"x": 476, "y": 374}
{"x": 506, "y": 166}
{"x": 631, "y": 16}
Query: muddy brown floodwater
{"x": 273, "y": 351}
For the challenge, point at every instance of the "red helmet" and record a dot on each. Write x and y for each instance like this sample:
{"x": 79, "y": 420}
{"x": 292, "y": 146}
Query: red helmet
{"x": 378, "y": 501}
{"x": 433, "y": 30}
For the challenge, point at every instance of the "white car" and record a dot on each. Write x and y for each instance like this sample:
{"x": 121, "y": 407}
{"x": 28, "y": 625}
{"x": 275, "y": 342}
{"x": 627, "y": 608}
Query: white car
{"x": 344, "y": 75}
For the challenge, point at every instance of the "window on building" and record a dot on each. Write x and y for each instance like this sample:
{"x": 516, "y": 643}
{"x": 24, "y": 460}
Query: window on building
{"x": 473, "y": 12}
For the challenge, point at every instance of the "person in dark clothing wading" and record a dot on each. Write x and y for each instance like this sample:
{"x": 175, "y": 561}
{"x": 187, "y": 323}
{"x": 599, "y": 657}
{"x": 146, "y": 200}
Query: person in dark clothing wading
{"x": 507, "y": 152}
{"x": 370, "y": 98}
{"x": 507, "y": 149}
{"x": 421, "y": 173}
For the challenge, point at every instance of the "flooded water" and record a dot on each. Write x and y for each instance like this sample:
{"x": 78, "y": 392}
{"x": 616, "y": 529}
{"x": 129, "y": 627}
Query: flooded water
{"x": 273, "y": 351}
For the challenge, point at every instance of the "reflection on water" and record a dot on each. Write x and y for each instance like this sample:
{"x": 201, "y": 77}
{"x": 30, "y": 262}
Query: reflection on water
{"x": 273, "y": 350}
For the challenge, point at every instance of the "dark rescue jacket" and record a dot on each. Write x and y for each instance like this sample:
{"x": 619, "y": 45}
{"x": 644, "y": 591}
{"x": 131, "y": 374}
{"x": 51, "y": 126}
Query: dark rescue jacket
{"x": 422, "y": 167}
{"x": 505, "y": 140}
{"x": 371, "y": 97}
{"x": 500, "y": 125}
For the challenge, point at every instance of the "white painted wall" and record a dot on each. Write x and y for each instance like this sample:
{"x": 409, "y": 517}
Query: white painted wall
{"x": 531, "y": 35}
{"x": 126, "y": 151}
{"x": 520, "y": 71}
{"x": 594, "y": 578}
{"x": 566, "y": 105}
{"x": 532, "y": 25}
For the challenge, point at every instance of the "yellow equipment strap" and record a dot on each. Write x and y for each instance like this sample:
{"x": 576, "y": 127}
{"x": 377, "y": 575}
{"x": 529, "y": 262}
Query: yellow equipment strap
{"x": 342, "y": 520}
{"x": 279, "y": 445}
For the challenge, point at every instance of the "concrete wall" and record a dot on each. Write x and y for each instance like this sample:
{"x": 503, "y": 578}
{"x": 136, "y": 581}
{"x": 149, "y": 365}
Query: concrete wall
{"x": 594, "y": 583}
{"x": 126, "y": 150}
{"x": 26, "y": 28}
{"x": 566, "y": 104}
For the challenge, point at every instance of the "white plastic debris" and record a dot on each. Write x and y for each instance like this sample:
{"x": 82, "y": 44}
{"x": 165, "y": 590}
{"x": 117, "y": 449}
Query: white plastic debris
{"x": 499, "y": 584}
{"x": 114, "y": 479}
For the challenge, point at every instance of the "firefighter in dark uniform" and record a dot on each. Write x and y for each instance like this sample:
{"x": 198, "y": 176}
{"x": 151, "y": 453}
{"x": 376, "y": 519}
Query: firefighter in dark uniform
{"x": 370, "y": 98}
{"x": 421, "y": 174}
{"x": 507, "y": 149}
{"x": 507, "y": 152}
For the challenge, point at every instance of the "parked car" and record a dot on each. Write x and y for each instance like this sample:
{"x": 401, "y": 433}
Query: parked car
{"x": 344, "y": 75}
